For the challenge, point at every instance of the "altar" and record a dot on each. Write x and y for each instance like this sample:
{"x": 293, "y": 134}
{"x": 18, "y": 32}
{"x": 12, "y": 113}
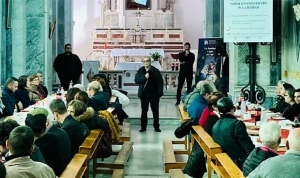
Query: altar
{"x": 129, "y": 70}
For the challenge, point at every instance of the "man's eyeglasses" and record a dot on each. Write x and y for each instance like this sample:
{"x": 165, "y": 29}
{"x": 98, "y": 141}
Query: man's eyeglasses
{"x": 146, "y": 61}
{"x": 285, "y": 95}
{"x": 297, "y": 96}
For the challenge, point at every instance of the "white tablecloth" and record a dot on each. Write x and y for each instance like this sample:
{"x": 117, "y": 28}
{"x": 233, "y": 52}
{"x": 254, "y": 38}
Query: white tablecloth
{"x": 134, "y": 65}
{"x": 136, "y": 52}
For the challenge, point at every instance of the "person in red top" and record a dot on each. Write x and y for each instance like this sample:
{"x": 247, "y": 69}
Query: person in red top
{"x": 211, "y": 108}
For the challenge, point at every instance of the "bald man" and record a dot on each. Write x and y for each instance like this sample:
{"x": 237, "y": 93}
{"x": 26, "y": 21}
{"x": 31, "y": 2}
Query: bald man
{"x": 282, "y": 166}
{"x": 100, "y": 98}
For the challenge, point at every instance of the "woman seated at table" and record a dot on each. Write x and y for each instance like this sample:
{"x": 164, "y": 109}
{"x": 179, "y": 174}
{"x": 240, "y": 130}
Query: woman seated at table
{"x": 87, "y": 115}
{"x": 35, "y": 92}
{"x": 292, "y": 109}
{"x": 270, "y": 137}
{"x": 196, "y": 165}
{"x": 280, "y": 102}
{"x": 22, "y": 94}
{"x": 231, "y": 133}
{"x": 71, "y": 94}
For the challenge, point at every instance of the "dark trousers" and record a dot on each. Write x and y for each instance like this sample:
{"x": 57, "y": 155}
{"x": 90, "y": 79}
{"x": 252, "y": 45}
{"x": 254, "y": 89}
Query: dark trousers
{"x": 182, "y": 77}
{"x": 153, "y": 99}
{"x": 223, "y": 85}
{"x": 65, "y": 82}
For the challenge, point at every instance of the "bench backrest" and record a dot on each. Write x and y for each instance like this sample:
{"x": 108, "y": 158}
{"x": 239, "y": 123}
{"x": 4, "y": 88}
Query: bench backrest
{"x": 226, "y": 167}
{"x": 77, "y": 167}
{"x": 113, "y": 99}
{"x": 206, "y": 142}
{"x": 184, "y": 116}
{"x": 91, "y": 142}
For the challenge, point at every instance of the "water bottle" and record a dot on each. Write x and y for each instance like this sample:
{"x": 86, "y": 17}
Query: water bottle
{"x": 62, "y": 91}
{"x": 263, "y": 115}
{"x": 243, "y": 107}
{"x": 71, "y": 84}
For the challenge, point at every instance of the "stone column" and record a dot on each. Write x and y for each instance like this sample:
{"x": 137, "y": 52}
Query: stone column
{"x": 19, "y": 34}
{"x": 108, "y": 5}
{"x": 68, "y": 22}
{"x": 2, "y": 41}
{"x": 117, "y": 5}
{"x": 168, "y": 4}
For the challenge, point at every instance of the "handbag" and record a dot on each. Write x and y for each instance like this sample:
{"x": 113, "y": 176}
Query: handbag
{"x": 104, "y": 149}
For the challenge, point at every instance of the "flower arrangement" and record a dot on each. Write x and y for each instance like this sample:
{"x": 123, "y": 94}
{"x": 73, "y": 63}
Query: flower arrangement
{"x": 155, "y": 56}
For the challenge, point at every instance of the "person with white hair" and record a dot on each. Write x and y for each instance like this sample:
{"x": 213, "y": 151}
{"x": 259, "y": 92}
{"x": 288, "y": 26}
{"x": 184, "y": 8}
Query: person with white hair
{"x": 270, "y": 136}
{"x": 191, "y": 96}
{"x": 100, "y": 98}
{"x": 80, "y": 86}
{"x": 284, "y": 166}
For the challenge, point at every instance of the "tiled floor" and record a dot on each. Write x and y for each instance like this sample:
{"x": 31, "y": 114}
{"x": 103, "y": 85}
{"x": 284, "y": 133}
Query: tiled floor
{"x": 146, "y": 159}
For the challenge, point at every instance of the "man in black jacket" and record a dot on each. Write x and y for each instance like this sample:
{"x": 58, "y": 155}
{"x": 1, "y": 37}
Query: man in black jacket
{"x": 48, "y": 143}
{"x": 68, "y": 67}
{"x": 73, "y": 128}
{"x": 150, "y": 90}
{"x": 222, "y": 72}
{"x": 8, "y": 96}
{"x": 186, "y": 59}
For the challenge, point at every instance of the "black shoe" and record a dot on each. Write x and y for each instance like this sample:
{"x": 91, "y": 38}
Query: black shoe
{"x": 177, "y": 103}
{"x": 143, "y": 130}
{"x": 157, "y": 130}
{"x": 121, "y": 123}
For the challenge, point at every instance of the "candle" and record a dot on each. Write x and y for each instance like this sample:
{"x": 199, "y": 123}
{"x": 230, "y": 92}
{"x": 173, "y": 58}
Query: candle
{"x": 175, "y": 22}
{"x": 109, "y": 21}
{"x": 152, "y": 25}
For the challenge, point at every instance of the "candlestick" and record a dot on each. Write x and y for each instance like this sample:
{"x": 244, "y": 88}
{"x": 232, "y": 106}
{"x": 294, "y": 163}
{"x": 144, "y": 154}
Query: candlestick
{"x": 175, "y": 23}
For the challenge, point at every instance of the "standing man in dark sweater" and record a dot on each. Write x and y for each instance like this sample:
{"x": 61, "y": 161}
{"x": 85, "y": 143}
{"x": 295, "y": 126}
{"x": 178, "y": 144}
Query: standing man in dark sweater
{"x": 186, "y": 59}
{"x": 150, "y": 90}
{"x": 68, "y": 67}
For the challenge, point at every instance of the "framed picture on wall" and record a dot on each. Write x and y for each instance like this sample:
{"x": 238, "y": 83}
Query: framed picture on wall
{"x": 51, "y": 28}
{"x": 134, "y": 4}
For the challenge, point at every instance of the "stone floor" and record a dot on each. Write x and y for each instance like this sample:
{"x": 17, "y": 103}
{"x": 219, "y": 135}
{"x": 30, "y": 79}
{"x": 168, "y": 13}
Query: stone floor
{"x": 146, "y": 159}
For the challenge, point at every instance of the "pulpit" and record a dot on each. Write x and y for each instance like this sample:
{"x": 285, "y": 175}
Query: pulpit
{"x": 129, "y": 70}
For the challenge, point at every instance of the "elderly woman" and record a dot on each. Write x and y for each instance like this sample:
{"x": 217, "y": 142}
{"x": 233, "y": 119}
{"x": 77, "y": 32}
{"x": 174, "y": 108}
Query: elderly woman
{"x": 22, "y": 94}
{"x": 231, "y": 133}
{"x": 35, "y": 92}
{"x": 86, "y": 115}
{"x": 270, "y": 137}
{"x": 292, "y": 109}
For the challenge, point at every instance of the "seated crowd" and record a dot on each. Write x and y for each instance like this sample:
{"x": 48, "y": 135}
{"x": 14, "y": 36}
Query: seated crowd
{"x": 45, "y": 144}
{"x": 215, "y": 113}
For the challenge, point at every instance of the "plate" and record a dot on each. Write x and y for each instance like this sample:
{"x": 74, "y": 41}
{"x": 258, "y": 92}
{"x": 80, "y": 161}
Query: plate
{"x": 278, "y": 117}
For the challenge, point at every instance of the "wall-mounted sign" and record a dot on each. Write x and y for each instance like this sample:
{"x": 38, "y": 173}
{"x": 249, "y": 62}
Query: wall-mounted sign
{"x": 248, "y": 20}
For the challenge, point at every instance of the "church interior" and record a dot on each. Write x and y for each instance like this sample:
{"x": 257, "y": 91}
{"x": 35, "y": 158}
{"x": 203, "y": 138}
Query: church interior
{"x": 114, "y": 37}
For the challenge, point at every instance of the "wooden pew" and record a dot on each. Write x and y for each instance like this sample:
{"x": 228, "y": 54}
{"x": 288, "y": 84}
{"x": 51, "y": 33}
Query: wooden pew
{"x": 184, "y": 116}
{"x": 89, "y": 147}
{"x": 119, "y": 162}
{"x": 113, "y": 99}
{"x": 169, "y": 157}
{"x": 209, "y": 147}
{"x": 176, "y": 173}
{"x": 77, "y": 167}
{"x": 226, "y": 168}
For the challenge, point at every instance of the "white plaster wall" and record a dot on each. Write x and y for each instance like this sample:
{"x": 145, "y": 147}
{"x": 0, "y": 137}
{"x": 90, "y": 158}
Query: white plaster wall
{"x": 86, "y": 17}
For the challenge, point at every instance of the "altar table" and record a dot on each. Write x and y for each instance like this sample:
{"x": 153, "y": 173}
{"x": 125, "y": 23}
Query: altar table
{"x": 116, "y": 52}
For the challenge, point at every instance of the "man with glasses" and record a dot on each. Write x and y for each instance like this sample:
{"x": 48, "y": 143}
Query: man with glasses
{"x": 41, "y": 85}
{"x": 68, "y": 67}
{"x": 150, "y": 90}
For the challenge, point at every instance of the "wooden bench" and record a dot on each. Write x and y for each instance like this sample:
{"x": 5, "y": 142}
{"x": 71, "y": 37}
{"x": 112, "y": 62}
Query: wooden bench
{"x": 119, "y": 162}
{"x": 89, "y": 147}
{"x": 169, "y": 157}
{"x": 208, "y": 145}
{"x": 113, "y": 99}
{"x": 176, "y": 173}
{"x": 184, "y": 116}
{"x": 77, "y": 167}
{"x": 226, "y": 168}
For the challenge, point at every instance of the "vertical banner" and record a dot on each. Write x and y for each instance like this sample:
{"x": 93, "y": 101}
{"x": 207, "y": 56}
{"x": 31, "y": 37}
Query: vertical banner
{"x": 90, "y": 68}
{"x": 206, "y": 62}
{"x": 248, "y": 20}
